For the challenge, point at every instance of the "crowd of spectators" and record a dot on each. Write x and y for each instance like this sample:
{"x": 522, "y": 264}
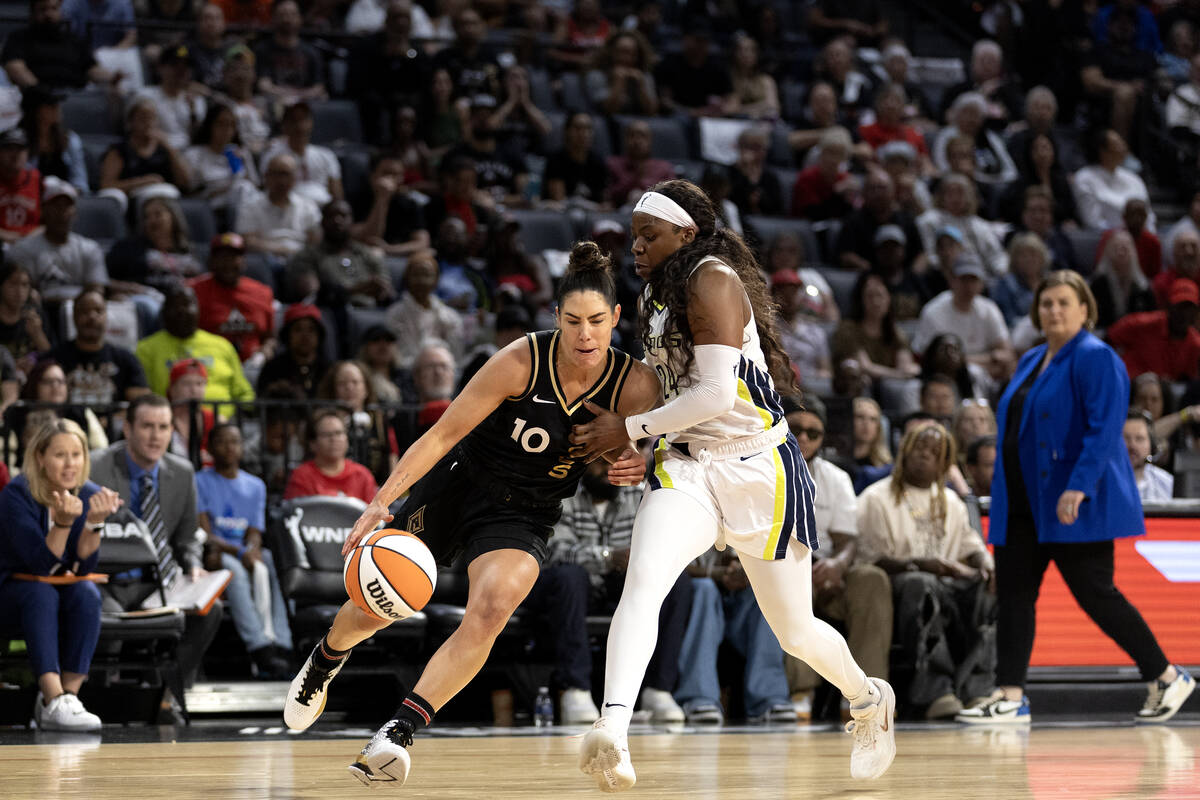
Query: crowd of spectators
{"x": 276, "y": 209}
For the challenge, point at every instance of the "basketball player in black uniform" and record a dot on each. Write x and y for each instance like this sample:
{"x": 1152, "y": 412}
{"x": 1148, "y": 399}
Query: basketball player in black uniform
{"x": 485, "y": 482}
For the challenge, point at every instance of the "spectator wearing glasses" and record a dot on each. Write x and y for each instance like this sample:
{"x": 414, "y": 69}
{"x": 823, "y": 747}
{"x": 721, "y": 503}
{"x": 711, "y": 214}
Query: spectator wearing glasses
{"x": 330, "y": 472}
{"x": 47, "y": 384}
{"x": 844, "y": 588}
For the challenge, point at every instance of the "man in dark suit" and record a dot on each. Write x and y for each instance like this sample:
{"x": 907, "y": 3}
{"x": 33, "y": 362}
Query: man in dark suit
{"x": 160, "y": 489}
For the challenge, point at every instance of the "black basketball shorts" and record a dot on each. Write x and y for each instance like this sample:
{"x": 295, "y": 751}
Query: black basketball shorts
{"x": 456, "y": 511}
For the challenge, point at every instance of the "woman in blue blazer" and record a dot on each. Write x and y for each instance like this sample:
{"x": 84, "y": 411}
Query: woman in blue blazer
{"x": 52, "y": 515}
{"x": 1062, "y": 490}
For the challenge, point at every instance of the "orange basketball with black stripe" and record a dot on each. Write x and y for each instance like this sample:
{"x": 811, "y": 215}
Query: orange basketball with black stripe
{"x": 390, "y": 575}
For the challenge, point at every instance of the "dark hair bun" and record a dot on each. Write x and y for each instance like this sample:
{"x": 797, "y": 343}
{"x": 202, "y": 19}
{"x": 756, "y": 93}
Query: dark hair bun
{"x": 586, "y": 256}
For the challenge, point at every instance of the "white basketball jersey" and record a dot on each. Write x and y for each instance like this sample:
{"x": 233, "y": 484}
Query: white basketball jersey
{"x": 757, "y": 407}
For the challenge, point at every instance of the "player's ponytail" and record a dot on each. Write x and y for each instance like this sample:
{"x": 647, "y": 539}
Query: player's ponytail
{"x": 588, "y": 270}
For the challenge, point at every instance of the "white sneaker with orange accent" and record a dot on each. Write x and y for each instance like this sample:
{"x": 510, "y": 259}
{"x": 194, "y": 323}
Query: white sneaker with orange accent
{"x": 874, "y": 731}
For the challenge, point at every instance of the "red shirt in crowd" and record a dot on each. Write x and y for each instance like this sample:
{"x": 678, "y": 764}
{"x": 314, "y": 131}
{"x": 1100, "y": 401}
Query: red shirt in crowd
{"x": 1162, "y": 284}
{"x": 877, "y": 135}
{"x": 21, "y": 202}
{"x": 1149, "y": 252}
{"x": 1144, "y": 346}
{"x": 813, "y": 195}
{"x": 245, "y": 12}
{"x": 354, "y": 480}
{"x": 243, "y": 314}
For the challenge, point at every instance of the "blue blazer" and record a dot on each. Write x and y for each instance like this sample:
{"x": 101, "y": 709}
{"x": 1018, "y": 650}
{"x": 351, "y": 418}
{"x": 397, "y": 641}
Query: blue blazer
{"x": 1070, "y": 438}
{"x": 23, "y": 535}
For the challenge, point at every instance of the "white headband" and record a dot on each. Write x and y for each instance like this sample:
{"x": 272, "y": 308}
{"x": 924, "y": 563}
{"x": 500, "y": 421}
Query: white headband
{"x": 659, "y": 205}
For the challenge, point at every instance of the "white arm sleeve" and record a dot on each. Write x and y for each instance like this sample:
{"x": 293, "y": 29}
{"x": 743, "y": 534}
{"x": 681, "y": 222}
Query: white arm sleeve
{"x": 713, "y": 393}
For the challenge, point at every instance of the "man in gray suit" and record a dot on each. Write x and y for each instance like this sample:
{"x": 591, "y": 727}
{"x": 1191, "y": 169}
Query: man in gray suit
{"x": 160, "y": 489}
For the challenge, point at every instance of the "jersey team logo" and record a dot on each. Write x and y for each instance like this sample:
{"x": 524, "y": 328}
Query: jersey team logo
{"x": 416, "y": 521}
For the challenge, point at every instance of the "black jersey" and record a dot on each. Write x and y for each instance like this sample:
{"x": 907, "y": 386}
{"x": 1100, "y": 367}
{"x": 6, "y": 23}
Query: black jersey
{"x": 524, "y": 443}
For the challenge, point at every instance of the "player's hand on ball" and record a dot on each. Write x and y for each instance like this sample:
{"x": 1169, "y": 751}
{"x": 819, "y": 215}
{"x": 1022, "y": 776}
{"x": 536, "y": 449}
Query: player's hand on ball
{"x": 372, "y": 516}
{"x": 628, "y": 470}
{"x": 606, "y": 432}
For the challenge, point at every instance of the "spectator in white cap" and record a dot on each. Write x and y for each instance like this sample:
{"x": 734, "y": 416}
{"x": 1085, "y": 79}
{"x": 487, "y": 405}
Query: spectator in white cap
{"x": 60, "y": 263}
{"x": 963, "y": 311}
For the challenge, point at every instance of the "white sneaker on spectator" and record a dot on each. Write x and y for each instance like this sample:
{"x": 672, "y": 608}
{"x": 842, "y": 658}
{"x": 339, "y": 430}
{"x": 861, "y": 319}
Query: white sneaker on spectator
{"x": 309, "y": 690}
{"x": 874, "y": 731}
{"x": 576, "y": 707}
{"x": 802, "y": 702}
{"x": 63, "y": 713}
{"x": 661, "y": 705}
{"x": 1164, "y": 699}
{"x": 996, "y": 710}
{"x": 604, "y": 754}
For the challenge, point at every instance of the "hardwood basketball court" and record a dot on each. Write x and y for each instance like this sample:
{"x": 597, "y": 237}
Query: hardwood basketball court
{"x": 934, "y": 762}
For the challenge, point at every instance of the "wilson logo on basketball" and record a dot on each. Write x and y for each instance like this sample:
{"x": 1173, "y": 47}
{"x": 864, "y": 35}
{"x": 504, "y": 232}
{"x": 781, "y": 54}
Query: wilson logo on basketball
{"x": 381, "y": 600}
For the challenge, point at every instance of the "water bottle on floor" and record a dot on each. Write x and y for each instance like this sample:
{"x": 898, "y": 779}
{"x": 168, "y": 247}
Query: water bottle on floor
{"x": 543, "y": 708}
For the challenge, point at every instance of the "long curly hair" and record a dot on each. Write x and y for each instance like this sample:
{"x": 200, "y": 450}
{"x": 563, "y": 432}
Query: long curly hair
{"x": 668, "y": 285}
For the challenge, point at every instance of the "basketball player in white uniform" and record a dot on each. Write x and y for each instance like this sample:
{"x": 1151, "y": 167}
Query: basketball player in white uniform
{"x": 727, "y": 472}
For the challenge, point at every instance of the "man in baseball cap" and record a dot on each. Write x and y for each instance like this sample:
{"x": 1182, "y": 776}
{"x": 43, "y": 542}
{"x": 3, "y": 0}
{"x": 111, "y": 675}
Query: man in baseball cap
{"x": 60, "y": 263}
{"x": 1163, "y": 342}
{"x": 233, "y": 305}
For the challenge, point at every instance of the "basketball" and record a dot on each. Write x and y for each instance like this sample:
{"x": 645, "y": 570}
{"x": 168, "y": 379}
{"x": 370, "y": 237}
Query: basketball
{"x": 390, "y": 575}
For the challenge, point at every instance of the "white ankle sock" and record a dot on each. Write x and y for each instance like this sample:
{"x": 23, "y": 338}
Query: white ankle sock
{"x": 618, "y": 717}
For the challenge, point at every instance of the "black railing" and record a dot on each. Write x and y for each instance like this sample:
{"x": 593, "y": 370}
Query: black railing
{"x": 274, "y": 431}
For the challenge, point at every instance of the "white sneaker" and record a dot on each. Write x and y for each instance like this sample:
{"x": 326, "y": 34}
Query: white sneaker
{"x": 385, "y": 759}
{"x": 661, "y": 705}
{"x": 308, "y": 693}
{"x": 997, "y": 711}
{"x": 1164, "y": 699}
{"x": 604, "y": 754}
{"x": 874, "y": 730}
{"x": 63, "y": 713}
{"x": 576, "y": 707}
{"x": 802, "y": 702}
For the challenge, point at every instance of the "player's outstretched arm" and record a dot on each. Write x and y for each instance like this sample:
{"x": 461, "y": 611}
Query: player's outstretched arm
{"x": 506, "y": 374}
{"x": 717, "y": 312}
